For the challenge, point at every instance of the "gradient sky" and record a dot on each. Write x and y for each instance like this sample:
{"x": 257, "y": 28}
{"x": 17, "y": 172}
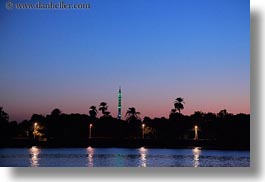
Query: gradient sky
{"x": 157, "y": 50}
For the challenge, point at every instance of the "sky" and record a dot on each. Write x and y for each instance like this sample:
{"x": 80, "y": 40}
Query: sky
{"x": 156, "y": 50}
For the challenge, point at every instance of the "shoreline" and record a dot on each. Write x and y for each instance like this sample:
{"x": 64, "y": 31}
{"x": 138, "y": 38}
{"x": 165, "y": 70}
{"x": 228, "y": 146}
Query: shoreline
{"x": 123, "y": 143}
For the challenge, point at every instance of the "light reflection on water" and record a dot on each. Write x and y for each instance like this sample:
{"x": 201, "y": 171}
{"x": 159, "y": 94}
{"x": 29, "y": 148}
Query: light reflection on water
{"x": 121, "y": 157}
{"x": 34, "y": 160}
{"x": 143, "y": 157}
{"x": 90, "y": 152}
{"x": 196, "y": 156}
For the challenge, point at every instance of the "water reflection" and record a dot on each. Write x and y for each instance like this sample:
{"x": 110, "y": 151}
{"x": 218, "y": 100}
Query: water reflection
{"x": 122, "y": 157}
{"x": 34, "y": 160}
{"x": 196, "y": 156}
{"x": 90, "y": 152}
{"x": 143, "y": 153}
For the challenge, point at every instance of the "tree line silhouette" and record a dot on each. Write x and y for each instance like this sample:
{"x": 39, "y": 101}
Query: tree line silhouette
{"x": 223, "y": 127}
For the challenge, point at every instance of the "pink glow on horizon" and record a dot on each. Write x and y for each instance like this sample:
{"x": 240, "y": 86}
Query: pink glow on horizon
{"x": 148, "y": 102}
{"x": 151, "y": 110}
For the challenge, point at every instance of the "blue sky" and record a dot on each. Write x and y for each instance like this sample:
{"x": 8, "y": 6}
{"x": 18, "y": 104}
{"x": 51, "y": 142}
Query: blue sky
{"x": 156, "y": 50}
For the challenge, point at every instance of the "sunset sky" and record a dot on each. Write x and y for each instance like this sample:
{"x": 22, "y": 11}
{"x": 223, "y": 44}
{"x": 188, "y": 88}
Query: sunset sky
{"x": 156, "y": 50}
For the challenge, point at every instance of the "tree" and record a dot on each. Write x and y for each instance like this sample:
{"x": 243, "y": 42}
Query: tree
{"x": 223, "y": 114}
{"x": 103, "y": 107}
{"x": 172, "y": 113}
{"x": 56, "y": 112}
{"x": 3, "y": 116}
{"x": 198, "y": 116}
{"x": 179, "y": 104}
{"x": 197, "y": 119}
{"x": 107, "y": 114}
{"x": 93, "y": 111}
{"x": 37, "y": 118}
{"x": 4, "y": 124}
{"x": 132, "y": 114}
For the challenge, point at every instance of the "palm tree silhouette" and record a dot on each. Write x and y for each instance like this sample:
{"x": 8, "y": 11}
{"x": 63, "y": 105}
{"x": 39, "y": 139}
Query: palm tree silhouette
{"x": 93, "y": 111}
{"x": 179, "y": 104}
{"x": 107, "y": 114}
{"x": 103, "y": 107}
{"x": 132, "y": 114}
{"x": 173, "y": 111}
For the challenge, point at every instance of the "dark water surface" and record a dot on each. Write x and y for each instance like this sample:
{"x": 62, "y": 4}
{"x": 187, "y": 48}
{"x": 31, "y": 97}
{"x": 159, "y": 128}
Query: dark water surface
{"x": 122, "y": 157}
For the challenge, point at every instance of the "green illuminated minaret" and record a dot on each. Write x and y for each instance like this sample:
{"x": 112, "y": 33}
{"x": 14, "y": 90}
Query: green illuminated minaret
{"x": 119, "y": 104}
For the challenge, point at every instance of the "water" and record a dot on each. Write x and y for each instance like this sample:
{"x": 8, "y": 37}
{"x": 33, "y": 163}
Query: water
{"x": 121, "y": 157}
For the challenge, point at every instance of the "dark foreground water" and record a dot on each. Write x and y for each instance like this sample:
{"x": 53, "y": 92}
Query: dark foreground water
{"x": 121, "y": 157}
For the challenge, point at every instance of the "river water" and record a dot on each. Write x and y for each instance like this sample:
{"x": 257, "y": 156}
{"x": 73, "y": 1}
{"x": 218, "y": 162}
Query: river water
{"x": 121, "y": 157}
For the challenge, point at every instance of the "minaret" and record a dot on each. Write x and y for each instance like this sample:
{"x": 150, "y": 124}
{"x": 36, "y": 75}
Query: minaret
{"x": 119, "y": 104}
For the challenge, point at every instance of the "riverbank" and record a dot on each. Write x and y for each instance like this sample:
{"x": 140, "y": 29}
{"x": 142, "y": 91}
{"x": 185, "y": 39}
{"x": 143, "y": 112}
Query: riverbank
{"x": 122, "y": 143}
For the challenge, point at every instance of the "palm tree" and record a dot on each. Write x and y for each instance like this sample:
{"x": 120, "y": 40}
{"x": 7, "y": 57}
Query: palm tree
{"x": 107, "y": 114}
{"x": 132, "y": 114}
{"x": 103, "y": 107}
{"x": 93, "y": 111}
{"x": 179, "y": 104}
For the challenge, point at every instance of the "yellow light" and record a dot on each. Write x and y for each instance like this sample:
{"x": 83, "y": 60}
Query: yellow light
{"x": 142, "y": 149}
{"x": 35, "y": 124}
{"x": 196, "y": 156}
{"x": 90, "y": 152}
{"x": 89, "y": 148}
{"x": 143, "y": 158}
{"x": 34, "y": 151}
{"x": 196, "y": 127}
{"x": 143, "y": 125}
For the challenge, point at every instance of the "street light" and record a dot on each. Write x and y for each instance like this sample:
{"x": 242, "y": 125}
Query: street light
{"x": 196, "y": 137}
{"x": 143, "y": 125}
{"x": 35, "y": 130}
{"x": 90, "y": 129}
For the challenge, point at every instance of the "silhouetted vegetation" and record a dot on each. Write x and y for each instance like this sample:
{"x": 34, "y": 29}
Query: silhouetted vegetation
{"x": 93, "y": 112}
{"x": 179, "y": 104}
{"x": 223, "y": 128}
{"x": 4, "y": 124}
